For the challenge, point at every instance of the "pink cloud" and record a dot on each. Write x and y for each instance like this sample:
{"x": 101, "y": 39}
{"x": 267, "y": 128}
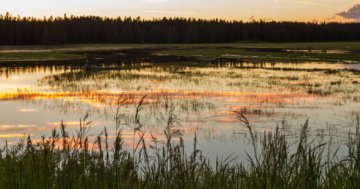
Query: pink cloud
{"x": 352, "y": 13}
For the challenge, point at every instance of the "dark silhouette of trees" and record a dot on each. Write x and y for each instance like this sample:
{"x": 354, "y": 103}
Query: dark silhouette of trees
{"x": 93, "y": 29}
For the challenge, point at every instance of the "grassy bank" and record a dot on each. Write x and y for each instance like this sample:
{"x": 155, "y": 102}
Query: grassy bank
{"x": 72, "y": 161}
{"x": 325, "y": 51}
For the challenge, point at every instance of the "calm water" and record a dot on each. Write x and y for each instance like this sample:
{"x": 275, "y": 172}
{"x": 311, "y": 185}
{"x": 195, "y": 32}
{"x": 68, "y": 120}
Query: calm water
{"x": 34, "y": 100}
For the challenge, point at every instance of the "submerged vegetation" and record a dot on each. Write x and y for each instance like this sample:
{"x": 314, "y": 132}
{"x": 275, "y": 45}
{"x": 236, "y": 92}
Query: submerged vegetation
{"x": 326, "y": 93}
{"x": 104, "y": 161}
{"x": 322, "y": 79}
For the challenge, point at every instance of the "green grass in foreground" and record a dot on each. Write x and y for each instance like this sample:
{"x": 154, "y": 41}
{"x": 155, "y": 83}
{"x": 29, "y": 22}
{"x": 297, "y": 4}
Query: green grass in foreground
{"x": 64, "y": 161}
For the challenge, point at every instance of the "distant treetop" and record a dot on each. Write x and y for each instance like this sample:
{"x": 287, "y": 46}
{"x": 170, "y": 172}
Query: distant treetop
{"x": 94, "y": 29}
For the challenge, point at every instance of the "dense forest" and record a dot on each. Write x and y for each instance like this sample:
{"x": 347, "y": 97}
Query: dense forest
{"x": 93, "y": 29}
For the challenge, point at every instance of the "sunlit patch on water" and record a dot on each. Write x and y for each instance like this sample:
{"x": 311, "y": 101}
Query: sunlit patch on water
{"x": 16, "y": 127}
{"x": 10, "y": 136}
{"x": 27, "y": 110}
{"x": 320, "y": 51}
{"x": 353, "y": 67}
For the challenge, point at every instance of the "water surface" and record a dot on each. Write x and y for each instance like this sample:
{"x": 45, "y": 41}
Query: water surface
{"x": 203, "y": 99}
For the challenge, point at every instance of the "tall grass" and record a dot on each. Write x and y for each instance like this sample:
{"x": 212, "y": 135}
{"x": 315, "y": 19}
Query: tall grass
{"x": 72, "y": 161}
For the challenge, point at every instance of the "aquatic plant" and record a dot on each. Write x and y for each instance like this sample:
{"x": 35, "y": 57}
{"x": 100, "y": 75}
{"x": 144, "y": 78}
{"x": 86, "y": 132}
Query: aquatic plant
{"x": 64, "y": 160}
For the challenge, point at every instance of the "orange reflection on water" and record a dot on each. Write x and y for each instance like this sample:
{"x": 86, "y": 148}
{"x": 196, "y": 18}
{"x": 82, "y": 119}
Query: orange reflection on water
{"x": 16, "y": 127}
{"x": 11, "y": 136}
{"x": 32, "y": 127}
{"x": 133, "y": 97}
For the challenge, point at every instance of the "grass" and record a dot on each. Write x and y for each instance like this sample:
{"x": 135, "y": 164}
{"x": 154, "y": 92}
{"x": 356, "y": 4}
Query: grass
{"x": 24, "y": 56}
{"x": 75, "y": 161}
{"x": 313, "y": 78}
{"x": 255, "y": 51}
{"x": 303, "y": 45}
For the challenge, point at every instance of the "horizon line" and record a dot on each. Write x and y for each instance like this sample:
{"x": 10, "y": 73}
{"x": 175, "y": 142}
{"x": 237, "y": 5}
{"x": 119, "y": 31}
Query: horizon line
{"x": 248, "y": 20}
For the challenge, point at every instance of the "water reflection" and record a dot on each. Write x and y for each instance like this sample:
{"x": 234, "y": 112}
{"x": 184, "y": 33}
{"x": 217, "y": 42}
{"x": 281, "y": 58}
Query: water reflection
{"x": 33, "y": 100}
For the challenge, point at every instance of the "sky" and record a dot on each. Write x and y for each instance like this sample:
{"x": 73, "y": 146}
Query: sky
{"x": 280, "y": 10}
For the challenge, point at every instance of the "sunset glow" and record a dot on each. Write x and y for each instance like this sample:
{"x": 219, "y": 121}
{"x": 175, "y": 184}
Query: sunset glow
{"x": 246, "y": 10}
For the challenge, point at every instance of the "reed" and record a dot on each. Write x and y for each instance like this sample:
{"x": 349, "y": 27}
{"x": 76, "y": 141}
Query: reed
{"x": 64, "y": 160}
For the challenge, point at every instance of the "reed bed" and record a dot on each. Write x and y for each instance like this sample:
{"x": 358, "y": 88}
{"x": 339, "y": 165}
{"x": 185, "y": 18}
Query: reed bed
{"x": 66, "y": 160}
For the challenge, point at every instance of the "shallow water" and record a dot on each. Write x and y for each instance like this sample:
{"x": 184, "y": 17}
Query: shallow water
{"x": 34, "y": 100}
{"x": 322, "y": 51}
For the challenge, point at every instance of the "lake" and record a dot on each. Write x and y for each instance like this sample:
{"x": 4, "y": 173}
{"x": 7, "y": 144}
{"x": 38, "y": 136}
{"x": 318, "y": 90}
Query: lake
{"x": 201, "y": 99}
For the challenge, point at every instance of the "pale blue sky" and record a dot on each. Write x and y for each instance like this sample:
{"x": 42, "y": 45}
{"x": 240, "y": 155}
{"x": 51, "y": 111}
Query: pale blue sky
{"x": 303, "y": 10}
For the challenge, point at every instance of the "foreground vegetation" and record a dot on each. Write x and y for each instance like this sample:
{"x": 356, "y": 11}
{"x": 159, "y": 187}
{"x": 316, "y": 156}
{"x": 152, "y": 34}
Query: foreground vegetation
{"x": 65, "y": 161}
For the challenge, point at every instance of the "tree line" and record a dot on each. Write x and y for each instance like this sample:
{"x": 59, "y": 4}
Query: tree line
{"x": 94, "y": 29}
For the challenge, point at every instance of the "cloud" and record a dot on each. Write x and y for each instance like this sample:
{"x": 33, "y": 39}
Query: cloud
{"x": 352, "y": 13}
